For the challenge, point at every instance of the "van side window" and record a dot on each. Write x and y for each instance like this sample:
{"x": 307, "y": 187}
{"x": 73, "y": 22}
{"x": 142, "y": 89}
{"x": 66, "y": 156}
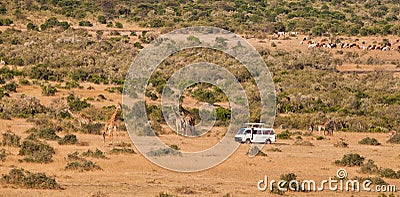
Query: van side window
{"x": 248, "y": 131}
{"x": 258, "y": 132}
{"x": 265, "y": 133}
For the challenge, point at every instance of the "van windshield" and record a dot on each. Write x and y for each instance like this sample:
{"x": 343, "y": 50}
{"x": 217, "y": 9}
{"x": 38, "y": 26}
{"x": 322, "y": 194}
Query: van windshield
{"x": 241, "y": 131}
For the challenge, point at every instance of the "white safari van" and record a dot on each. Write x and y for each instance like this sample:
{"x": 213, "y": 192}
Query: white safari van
{"x": 255, "y": 133}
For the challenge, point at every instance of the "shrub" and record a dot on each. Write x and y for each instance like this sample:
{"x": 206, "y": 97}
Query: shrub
{"x": 76, "y": 104}
{"x": 283, "y": 135}
{"x": 96, "y": 154}
{"x": 162, "y": 194}
{"x": 43, "y": 133}
{"x": 174, "y": 146}
{"x": 68, "y": 139}
{"x": 48, "y": 90}
{"x": 341, "y": 144}
{"x": 138, "y": 45}
{"x": 369, "y": 168}
{"x": 163, "y": 152}
{"x": 36, "y": 151}
{"x": 93, "y": 128}
{"x": 352, "y": 159}
{"x": 119, "y": 25}
{"x": 287, "y": 177}
{"x": 3, "y": 154}
{"x": 26, "y": 179}
{"x": 369, "y": 141}
{"x": 102, "y": 19}
{"x": 274, "y": 149}
{"x": 303, "y": 143}
{"x": 74, "y": 156}
{"x": 122, "y": 151}
{"x": 10, "y": 139}
{"x": 85, "y": 23}
{"x": 389, "y": 173}
{"x": 11, "y": 87}
{"x": 395, "y": 139}
{"x": 85, "y": 165}
{"x": 31, "y": 26}
{"x": 320, "y": 137}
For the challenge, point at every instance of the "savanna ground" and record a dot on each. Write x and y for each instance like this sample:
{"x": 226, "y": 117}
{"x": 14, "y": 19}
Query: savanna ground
{"x": 134, "y": 175}
{"x": 75, "y": 54}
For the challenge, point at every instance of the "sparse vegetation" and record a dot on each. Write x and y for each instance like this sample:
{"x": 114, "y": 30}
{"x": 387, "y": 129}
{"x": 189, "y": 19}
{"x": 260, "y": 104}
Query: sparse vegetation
{"x": 163, "y": 152}
{"x": 84, "y": 165}
{"x": 26, "y": 179}
{"x": 350, "y": 160}
{"x": 341, "y": 144}
{"x": 95, "y": 154}
{"x": 68, "y": 140}
{"x": 319, "y": 137}
{"x": 369, "y": 168}
{"x": 36, "y": 151}
{"x": 122, "y": 151}
{"x": 3, "y": 155}
{"x": 369, "y": 141}
{"x": 10, "y": 139}
{"x": 283, "y": 135}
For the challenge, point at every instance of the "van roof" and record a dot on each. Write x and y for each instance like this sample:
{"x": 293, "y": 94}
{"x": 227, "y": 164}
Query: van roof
{"x": 254, "y": 125}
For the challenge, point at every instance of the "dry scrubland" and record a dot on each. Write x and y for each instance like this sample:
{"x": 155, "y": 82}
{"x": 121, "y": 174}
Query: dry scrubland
{"x": 56, "y": 57}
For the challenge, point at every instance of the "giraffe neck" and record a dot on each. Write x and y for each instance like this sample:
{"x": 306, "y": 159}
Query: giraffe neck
{"x": 72, "y": 114}
{"x": 114, "y": 115}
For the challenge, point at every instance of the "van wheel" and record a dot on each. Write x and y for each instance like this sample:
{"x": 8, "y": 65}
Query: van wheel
{"x": 248, "y": 141}
{"x": 268, "y": 141}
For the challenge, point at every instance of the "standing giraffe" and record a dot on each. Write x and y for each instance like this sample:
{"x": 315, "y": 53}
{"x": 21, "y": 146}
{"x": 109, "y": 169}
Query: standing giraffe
{"x": 326, "y": 127}
{"x": 82, "y": 119}
{"x": 179, "y": 121}
{"x": 189, "y": 121}
{"x": 110, "y": 127}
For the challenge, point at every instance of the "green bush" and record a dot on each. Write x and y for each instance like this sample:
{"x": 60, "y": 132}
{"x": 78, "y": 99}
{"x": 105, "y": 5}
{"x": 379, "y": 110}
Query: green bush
{"x": 76, "y": 104}
{"x": 341, "y": 144}
{"x": 48, "y": 90}
{"x": 369, "y": 168}
{"x": 102, "y": 19}
{"x": 11, "y": 87}
{"x": 3, "y": 154}
{"x": 122, "y": 151}
{"x": 138, "y": 45}
{"x": 283, "y": 135}
{"x": 369, "y": 141}
{"x": 163, "y": 152}
{"x": 36, "y": 151}
{"x": 93, "y": 128}
{"x": 68, "y": 140}
{"x": 43, "y": 133}
{"x": 10, "y": 139}
{"x": 174, "y": 146}
{"x": 26, "y": 179}
{"x": 31, "y": 26}
{"x": 85, "y": 23}
{"x": 350, "y": 160}
{"x": 85, "y": 165}
{"x": 389, "y": 173}
{"x": 95, "y": 154}
{"x": 119, "y": 25}
{"x": 320, "y": 137}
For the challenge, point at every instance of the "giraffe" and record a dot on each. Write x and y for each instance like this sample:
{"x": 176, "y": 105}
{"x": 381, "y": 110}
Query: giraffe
{"x": 326, "y": 127}
{"x": 392, "y": 133}
{"x": 110, "y": 127}
{"x": 82, "y": 119}
{"x": 189, "y": 121}
{"x": 179, "y": 122}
